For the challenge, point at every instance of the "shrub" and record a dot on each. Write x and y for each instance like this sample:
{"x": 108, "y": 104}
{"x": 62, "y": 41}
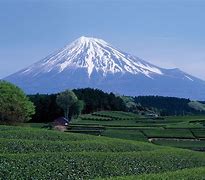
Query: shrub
{"x": 15, "y": 106}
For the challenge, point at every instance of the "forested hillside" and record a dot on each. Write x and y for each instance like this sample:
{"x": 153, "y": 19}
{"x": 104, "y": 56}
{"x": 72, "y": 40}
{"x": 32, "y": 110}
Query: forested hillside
{"x": 94, "y": 100}
{"x": 167, "y": 106}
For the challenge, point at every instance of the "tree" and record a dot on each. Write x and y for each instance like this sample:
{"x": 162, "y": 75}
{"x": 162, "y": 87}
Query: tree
{"x": 76, "y": 108}
{"x": 15, "y": 106}
{"x": 46, "y": 108}
{"x": 66, "y": 100}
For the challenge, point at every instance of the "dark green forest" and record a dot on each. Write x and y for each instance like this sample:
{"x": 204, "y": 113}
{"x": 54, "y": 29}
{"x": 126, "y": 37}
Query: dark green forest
{"x": 167, "y": 106}
{"x": 94, "y": 100}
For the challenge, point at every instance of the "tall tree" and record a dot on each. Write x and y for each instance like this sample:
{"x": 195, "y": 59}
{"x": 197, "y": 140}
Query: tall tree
{"x": 76, "y": 108}
{"x": 66, "y": 100}
{"x": 14, "y": 104}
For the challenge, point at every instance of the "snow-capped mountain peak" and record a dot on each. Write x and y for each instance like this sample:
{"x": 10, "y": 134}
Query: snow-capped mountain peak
{"x": 92, "y": 62}
{"x": 93, "y": 54}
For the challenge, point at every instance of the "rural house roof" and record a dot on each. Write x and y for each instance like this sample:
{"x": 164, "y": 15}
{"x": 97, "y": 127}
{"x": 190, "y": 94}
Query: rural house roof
{"x": 61, "y": 121}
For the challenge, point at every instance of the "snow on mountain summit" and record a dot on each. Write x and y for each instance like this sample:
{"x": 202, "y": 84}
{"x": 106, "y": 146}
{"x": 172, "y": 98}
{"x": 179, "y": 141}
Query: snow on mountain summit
{"x": 94, "y": 63}
{"x": 92, "y": 54}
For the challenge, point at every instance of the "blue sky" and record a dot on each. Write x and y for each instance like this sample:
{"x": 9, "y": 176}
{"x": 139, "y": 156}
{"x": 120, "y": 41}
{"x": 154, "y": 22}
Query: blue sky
{"x": 167, "y": 33}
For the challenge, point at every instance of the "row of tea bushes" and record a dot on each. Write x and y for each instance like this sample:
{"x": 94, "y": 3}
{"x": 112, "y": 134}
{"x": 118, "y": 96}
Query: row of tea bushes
{"x": 185, "y": 174}
{"x": 90, "y": 165}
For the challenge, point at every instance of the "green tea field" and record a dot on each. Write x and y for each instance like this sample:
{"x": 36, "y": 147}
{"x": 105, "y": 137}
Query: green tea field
{"x": 112, "y": 146}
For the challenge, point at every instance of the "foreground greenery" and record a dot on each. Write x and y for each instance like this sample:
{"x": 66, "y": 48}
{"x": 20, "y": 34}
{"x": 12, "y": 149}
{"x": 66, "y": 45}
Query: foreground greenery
{"x": 189, "y": 174}
{"x": 33, "y": 153}
{"x": 94, "y": 164}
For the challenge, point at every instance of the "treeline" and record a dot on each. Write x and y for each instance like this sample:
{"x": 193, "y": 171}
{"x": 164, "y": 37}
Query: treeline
{"x": 94, "y": 100}
{"x": 166, "y": 106}
{"x": 97, "y": 100}
{"x": 46, "y": 108}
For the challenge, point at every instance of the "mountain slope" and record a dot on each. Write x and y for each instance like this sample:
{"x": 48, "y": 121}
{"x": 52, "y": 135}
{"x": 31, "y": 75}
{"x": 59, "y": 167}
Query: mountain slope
{"x": 91, "y": 62}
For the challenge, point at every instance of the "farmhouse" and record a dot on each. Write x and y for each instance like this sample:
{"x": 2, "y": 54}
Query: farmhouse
{"x": 60, "y": 124}
{"x": 152, "y": 115}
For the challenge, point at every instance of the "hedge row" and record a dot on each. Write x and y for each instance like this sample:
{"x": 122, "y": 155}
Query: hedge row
{"x": 104, "y": 145}
{"x": 41, "y": 134}
{"x": 169, "y": 133}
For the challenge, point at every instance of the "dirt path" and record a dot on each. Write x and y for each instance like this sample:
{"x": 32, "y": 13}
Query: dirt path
{"x": 175, "y": 139}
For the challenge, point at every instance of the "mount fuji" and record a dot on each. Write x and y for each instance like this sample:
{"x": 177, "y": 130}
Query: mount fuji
{"x": 92, "y": 62}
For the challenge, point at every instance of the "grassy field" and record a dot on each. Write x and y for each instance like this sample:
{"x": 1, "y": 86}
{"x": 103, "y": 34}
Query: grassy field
{"x": 124, "y": 146}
